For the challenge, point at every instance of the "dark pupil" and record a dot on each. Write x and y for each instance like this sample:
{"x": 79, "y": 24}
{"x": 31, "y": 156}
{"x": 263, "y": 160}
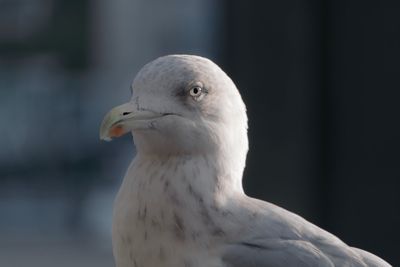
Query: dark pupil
{"x": 195, "y": 90}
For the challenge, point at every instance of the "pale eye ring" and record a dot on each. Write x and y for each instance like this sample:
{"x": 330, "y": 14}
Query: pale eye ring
{"x": 195, "y": 91}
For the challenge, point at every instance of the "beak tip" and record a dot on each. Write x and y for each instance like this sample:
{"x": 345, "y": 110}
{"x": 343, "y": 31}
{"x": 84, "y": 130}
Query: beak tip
{"x": 104, "y": 137}
{"x": 107, "y": 139}
{"x": 112, "y": 125}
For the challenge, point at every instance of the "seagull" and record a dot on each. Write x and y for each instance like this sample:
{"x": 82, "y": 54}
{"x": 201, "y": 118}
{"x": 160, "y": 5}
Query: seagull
{"x": 181, "y": 203}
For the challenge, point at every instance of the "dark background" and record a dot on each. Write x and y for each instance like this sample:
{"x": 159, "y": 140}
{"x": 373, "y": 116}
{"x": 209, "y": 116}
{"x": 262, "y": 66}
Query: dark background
{"x": 321, "y": 83}
{"x": 320, "y": 80}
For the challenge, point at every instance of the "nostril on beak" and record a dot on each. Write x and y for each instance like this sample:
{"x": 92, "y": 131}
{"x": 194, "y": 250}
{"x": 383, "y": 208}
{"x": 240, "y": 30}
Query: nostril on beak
{"x": 126, "y": 113}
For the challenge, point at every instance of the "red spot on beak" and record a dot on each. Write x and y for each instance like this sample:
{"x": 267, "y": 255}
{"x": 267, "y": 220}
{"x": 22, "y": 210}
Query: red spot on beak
{"x": 117, "y": 131}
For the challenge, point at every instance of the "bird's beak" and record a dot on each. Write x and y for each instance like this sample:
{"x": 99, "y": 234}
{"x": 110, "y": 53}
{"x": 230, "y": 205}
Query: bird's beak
{"x": 123, "y": 119}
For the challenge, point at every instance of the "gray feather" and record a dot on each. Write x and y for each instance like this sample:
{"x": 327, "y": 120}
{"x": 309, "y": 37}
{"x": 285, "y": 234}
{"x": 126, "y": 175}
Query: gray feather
{"x": 283, "y": 239}
{"x": 370, "y": 259}
{"x": 275, "y": 253}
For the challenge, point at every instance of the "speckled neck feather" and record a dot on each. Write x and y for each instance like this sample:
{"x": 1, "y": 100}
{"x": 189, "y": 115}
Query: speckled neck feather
{"x": 178, "y": 199}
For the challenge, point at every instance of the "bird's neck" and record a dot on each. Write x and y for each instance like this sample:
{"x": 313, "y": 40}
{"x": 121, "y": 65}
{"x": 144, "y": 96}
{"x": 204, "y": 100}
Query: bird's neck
{"x": 211, "y": 176}
{"x": 184, "y": 192}
{"x": 172, "y": 202}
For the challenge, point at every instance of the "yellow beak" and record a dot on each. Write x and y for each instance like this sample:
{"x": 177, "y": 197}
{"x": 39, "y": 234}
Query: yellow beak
{"x": 123, "y": 119}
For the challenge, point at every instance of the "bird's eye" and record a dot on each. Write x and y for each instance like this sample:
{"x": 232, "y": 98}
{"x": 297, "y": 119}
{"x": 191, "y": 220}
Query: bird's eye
{"x": 195, "y": 91}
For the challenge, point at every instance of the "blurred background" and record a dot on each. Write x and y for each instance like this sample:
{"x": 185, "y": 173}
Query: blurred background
{"x": 321, "y": 80}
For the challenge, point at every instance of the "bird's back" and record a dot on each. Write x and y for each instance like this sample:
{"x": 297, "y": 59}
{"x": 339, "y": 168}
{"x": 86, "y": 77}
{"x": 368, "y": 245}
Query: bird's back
{"x": 274, "y": 237}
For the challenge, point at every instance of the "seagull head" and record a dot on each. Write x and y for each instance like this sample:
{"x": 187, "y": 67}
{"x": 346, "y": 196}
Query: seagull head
{"x": 182, "y": 104}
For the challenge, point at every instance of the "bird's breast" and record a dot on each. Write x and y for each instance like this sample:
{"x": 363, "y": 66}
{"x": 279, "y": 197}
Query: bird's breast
{"x": 162, "y": 218}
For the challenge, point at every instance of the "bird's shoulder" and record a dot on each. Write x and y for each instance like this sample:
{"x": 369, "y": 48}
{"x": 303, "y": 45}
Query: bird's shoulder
{"x": 276, "y": 222}
{"x": 273, "y": 236}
